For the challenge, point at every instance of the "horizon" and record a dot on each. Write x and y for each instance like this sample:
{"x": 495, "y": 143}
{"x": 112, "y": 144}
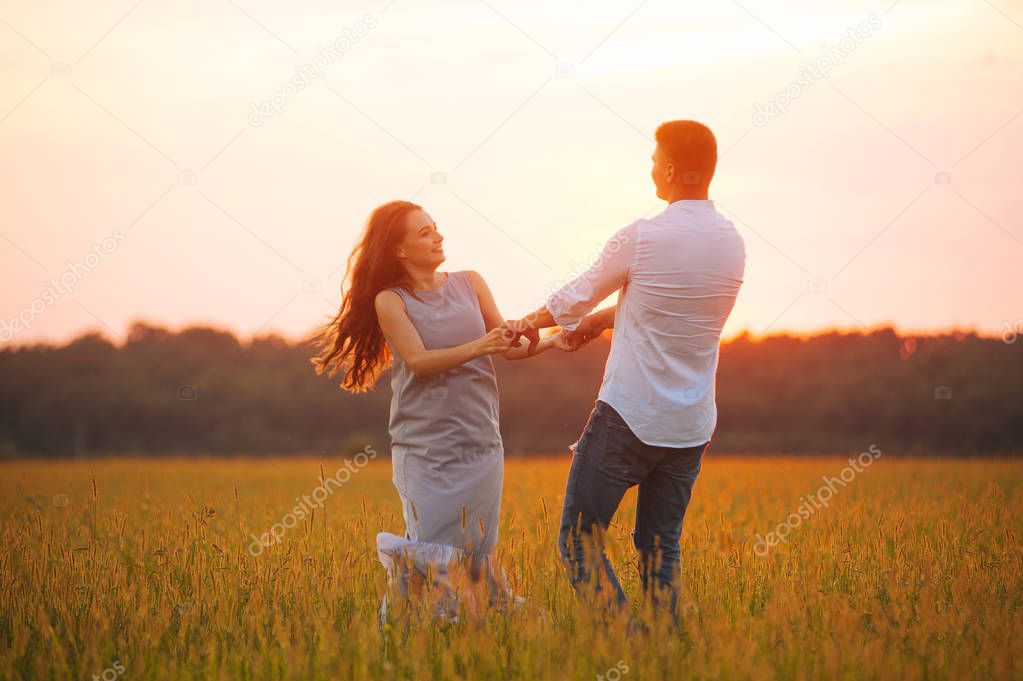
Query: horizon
{"x": 866, "y": 154}
{"x": 119, "y": 340}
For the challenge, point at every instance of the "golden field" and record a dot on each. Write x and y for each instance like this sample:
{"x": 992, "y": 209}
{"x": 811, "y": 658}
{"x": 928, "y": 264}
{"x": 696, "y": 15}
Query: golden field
{"x": 141, "y": 569}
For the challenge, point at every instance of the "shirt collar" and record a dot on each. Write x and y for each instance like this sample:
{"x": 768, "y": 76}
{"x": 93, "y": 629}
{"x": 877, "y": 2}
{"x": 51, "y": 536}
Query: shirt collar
{"x": 692, "y": 203}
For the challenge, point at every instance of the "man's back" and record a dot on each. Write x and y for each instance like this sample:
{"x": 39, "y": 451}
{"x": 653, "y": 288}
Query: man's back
{"x": 685, "y": 274}
{"x": 680, "y": 273}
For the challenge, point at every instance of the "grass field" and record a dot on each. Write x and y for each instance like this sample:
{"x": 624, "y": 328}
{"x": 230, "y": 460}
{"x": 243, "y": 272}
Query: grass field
{"x": 911, "y": 571}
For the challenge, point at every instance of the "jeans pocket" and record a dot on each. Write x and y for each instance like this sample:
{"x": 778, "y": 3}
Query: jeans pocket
{"x": 620, "y": 426}
{"x": 618, "y": 458}
{"x": 685, "y": 466}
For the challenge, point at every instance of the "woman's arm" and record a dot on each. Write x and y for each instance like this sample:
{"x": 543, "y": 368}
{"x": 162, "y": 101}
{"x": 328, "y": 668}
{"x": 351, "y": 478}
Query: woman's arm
{"x": 556, "y": 341}
{"x": 488, "y": 306}
{"x": 402, "y": 334}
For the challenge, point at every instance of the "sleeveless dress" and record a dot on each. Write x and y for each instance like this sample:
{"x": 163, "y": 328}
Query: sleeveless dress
{"x": 446, "y": 449}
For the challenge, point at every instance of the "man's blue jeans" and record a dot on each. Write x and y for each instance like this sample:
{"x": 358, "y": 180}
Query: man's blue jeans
{"x": 608, "y": 460}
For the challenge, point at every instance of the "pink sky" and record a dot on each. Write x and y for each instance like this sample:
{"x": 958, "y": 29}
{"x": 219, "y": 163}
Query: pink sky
{"x": 130, "y": 121}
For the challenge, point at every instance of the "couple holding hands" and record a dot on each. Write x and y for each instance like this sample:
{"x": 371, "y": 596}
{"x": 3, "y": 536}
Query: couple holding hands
{"x": 677, "y": 275}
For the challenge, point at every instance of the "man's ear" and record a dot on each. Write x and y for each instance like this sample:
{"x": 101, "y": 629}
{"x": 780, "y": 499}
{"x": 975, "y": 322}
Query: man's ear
{"x": 669, "y": 172}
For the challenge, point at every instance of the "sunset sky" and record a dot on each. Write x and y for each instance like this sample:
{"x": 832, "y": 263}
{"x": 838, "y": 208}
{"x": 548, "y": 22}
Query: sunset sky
{"x": 887, "y": 192}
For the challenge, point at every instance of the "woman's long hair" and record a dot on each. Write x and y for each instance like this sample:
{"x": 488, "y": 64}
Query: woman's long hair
{"x": 352, "y": 341}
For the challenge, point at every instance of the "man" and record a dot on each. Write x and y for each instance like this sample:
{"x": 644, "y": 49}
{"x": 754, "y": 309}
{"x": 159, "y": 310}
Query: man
{"x": 678, "y": 275}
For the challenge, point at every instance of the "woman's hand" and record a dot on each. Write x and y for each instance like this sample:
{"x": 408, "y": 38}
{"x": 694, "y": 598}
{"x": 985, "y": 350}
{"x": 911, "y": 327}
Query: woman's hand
{"x": 495, "y": 341}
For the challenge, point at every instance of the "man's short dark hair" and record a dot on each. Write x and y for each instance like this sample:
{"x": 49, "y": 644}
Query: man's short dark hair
{"x": 690, "y": 146}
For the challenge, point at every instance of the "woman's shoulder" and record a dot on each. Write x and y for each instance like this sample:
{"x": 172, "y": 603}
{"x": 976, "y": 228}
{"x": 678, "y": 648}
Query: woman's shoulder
{"x": 389, "y": 292}
{"x": 472, "y": 277}
{"x": 473, "y": 282}
{"x": 388, "y": 297}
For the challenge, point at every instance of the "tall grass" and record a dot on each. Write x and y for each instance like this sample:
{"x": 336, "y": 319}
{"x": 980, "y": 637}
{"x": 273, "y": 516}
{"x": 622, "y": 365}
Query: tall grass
{"x": 913, "y": 571}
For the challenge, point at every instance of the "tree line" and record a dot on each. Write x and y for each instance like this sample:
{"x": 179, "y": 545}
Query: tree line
{"x": 204, "y": 391}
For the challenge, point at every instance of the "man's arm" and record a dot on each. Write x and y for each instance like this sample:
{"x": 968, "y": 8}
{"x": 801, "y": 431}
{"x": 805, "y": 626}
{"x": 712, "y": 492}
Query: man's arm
{"x": 568, "y": 306}
{"x": 591, "y": 326}
{"x": 573, "y": 301}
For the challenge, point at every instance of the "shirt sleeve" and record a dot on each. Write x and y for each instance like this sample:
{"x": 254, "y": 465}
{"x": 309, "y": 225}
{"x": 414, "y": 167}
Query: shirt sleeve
{"x": 573, "y": 301}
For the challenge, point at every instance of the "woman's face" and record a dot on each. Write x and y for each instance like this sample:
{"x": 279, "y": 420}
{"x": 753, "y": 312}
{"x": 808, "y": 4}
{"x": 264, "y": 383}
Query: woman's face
{"x": 422, "y": 246}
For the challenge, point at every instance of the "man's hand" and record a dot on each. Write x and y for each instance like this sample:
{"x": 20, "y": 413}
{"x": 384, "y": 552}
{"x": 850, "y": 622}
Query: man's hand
{"x": 517, "y": 328}
{"x": 561, "y": 342}
{"x": 588, "y": 328}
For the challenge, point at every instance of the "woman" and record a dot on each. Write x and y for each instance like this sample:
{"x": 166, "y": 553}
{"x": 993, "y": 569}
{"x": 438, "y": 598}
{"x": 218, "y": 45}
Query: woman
{"x": 440, "y": 329}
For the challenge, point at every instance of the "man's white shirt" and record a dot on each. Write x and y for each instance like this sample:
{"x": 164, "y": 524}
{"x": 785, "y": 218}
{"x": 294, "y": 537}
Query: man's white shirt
{"x": 678, "y": 275}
